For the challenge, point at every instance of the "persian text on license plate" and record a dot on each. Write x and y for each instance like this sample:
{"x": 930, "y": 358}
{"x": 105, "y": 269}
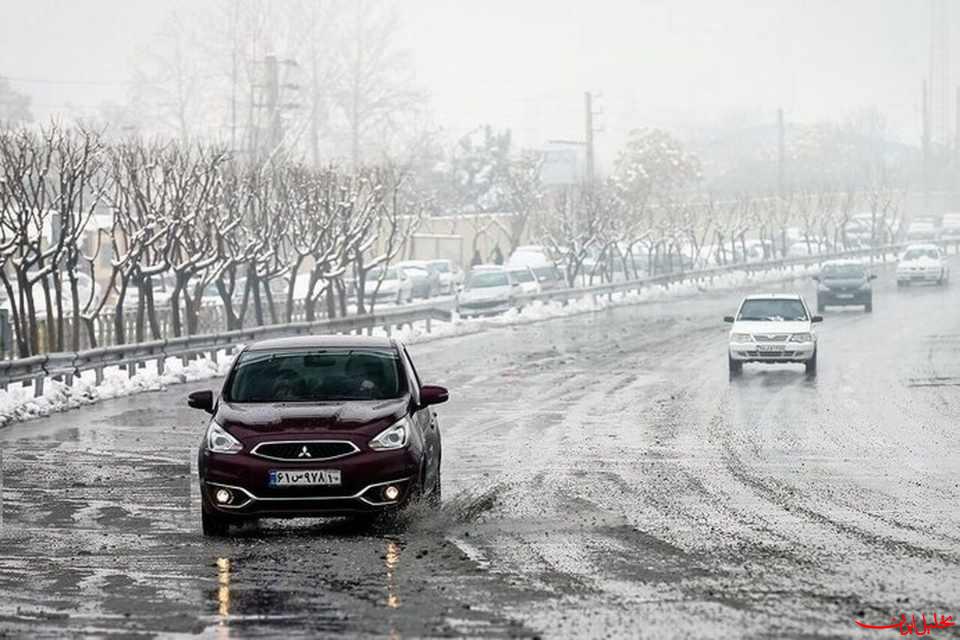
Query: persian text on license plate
{"x": 767, "y": 348}
{"x": 305, "y": 478}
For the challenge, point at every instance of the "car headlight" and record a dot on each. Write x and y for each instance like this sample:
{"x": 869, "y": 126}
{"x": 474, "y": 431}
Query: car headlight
{"x": 393, "y": 437}
{"x": 801, "y": 337}
{"x": 741, "y": 337}
{"x": 220, "y": 441}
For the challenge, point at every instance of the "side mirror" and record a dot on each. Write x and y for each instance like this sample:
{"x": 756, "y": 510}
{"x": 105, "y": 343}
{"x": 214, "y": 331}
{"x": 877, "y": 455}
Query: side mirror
{"x": 202, "y": 400}
{"x": 431, "y": 394}
{"x": 816, "y": 319}
{"x": 728, "y": 318}
{"x": 872, "y": 276}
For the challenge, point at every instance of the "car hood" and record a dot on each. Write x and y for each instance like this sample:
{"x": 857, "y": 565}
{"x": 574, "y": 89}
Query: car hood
{"x": 368, "y": 417}
{"x": 752, "y": 326}
{"x": 920, "y": 262}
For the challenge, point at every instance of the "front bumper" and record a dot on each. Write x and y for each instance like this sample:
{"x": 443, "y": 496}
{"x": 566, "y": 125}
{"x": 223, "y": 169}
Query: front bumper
{"x": 364, "y": 477}
{"x": 838, "y": 298}
{"x": 484, "y": 308}
{"x": 927, "y": 275}
{"x": 780, "y": 351}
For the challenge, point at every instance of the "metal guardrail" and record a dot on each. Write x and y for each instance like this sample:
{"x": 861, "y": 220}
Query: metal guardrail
{"x": 65, "y": 366}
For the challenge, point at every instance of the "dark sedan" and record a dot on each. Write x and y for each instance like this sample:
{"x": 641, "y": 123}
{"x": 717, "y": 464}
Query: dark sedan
{"x": 844, "y": 283}
{"x": 318, "y": 426}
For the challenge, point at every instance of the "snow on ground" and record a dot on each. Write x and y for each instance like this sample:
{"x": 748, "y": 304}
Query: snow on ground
{"x": 17, "y": 403}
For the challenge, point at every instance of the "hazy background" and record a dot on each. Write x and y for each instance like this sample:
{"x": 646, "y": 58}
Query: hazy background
{"x": 523, "y": 65}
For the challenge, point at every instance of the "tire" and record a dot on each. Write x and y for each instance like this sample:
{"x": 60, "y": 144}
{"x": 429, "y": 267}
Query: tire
{"x": 213, "y": 525}
{"x": 735, "y": 367}
{"x": 435, "y": 499}
{"x": 868, "y": 307}
{"x": 811, "y": 365}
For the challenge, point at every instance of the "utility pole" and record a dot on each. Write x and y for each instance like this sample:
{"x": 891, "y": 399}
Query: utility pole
{"x": 588, "y": 106}
{"x": 273, "y": 104}
{"x": 926, "y": 146}
{"x": 781, "y": 152}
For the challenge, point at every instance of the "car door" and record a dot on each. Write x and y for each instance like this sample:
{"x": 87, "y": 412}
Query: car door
{"x": 425, "y": 420}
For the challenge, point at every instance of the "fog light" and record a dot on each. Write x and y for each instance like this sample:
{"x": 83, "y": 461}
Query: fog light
{"x": 391, "y": 493}
{"x": 223, "y": 496}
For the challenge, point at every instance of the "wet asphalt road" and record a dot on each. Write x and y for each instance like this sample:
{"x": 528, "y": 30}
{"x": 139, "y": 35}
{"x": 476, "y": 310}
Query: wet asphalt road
{"x": 603, "y": 478}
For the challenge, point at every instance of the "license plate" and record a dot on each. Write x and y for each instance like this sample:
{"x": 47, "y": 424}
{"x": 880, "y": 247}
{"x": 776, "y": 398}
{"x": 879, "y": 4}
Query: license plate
{"x": 768, "y": 348}
{"x": 844, "y": 296}
{"x": 305, "y": 478}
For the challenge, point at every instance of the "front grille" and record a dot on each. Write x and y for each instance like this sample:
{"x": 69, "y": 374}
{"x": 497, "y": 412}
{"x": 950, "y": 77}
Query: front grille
{"x": 771, "y": 337}
{"x": 303, "y": 451}
{"x": 486, "y": 304}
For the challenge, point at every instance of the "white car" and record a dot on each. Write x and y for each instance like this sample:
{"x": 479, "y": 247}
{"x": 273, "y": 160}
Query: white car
{"x": 922, "y": 263}
{"x": 526, "y": 278}
{"x": 922, "y": 230}
{"x": 451, "y": 275}
{"x": 531, "y": 255}
{"x": 487, "y": 290}
{"x": 950, "y": 227}
{"x": 773, "y": 328}
{"x": 396, "y": 286}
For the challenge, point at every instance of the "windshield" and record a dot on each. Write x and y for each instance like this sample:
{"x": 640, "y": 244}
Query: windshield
{"x": 415, "y": 272}
{"x": 315, "y": 376}
{"x": 481, "y": 279}
{"x": 916, "y": 254}
{"x": 777, "y": 309}
{"x": 842, "y": 271}
{"x": 441, "y": 267}
{"x": 522, "y": 275}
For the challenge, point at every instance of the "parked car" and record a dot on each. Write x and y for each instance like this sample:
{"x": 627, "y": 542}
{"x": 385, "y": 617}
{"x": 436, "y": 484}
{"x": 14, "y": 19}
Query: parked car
{"x": 533, "y": 255}
{"x": 318, "y": 426}
{"x": 396, "y": 285}
{"x": 424, "y": 278}
{"x": 844, "y": 283}
{"x": 450, "y": 274}
{"x": 772, "y": 328}
{"x": 550, "y": 277}
{"x": 525, "y": 278}
{"x": 85, "y": 288}
{"x": 950, "y": 227}
{"x": 488, "y": 289}
{"x": 921, "y": 263}
{"x": 920, "y": 230}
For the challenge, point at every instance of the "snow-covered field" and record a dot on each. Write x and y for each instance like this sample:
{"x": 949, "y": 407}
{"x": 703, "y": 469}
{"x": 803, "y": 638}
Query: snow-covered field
{"x": 18, "y": 403}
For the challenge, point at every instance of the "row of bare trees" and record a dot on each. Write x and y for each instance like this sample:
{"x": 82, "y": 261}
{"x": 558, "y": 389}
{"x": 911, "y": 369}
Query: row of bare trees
{"x": 90, "y": 232}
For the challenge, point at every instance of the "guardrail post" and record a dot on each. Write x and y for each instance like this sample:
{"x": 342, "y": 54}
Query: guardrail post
{"x": 161, "y": 364}
{"x": 131, "y": 369}
{"x": 429, "y": 325}
{"x": 38, "y": 385}
{"x": 68, "y": 379}
{"x": 98, "y": 375}
{"x": 213, "y": 356}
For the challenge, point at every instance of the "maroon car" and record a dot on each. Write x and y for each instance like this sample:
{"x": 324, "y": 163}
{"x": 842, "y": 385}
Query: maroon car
{"x": 318, "y": 426}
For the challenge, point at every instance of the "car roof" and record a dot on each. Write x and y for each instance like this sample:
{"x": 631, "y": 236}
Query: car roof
{"x": 321, "y": 341}
{"x": 842, "y": 263}
{"x": 773, "y": 296}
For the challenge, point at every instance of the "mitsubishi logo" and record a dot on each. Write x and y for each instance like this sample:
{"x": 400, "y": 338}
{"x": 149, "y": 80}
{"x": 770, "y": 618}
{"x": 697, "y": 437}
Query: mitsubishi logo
{"x": 304, "y": 453}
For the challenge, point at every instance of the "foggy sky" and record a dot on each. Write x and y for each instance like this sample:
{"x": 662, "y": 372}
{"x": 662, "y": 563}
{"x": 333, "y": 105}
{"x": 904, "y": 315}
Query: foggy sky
{"x": 524, "y": 64}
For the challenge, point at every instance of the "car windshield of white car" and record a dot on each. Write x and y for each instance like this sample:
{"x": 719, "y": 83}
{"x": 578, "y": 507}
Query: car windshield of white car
{"x": 772, "y": 309}
{"x": 916, "y": 254}
{"x": 522, "y": 275}
{"x": 441, "y": 267}
{"x": 315, "y": 376}
{"x": 842, "y": 271}
{"x": 480, "y": 279}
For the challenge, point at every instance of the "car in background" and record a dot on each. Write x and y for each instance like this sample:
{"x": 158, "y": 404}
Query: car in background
{"x": 844, "y": 283}
{"x": 487, "y": 290}
{"x": 87, "y": 289}
{"x": 525, "y": 278}
{"x": 772, "y": 328}
{"x": 532, "y": 255}
{"x": 950, "y": 227}
{"x": 921, "y": 263}
{"x": 396, "y": 286}
{"x": 318, "y": 426}
{"x": 862, "y": 228}
{"x": 449, "y": 273}
{"x": 549, "y": 277}
{"x": 922, "y": 229}
{"x": 424, "y": 278}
